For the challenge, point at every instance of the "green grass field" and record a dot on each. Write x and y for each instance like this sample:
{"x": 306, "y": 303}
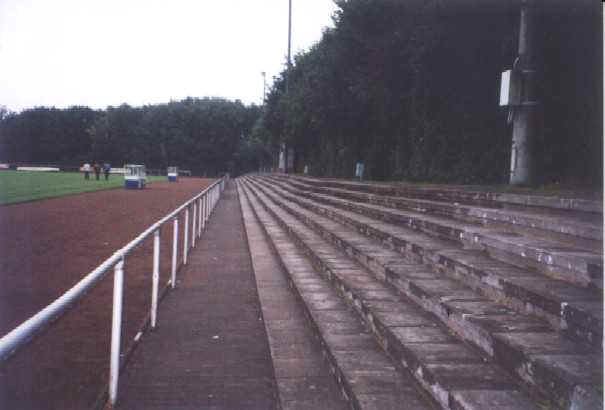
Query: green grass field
{"x": 21, "y": 186}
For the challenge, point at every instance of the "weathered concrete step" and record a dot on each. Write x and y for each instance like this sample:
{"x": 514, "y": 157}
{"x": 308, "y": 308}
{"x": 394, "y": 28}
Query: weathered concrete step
{"x": 303, "y": 377}
{"x": 448, "y": 368}
{"x": 478, "y": 320}
{"x": 368, "y": 378}
{"x": 560, "y": 259}
{"x": 466, "y": 194}
{"x": 575, "y": 310}
{"x": 578, "y": 225}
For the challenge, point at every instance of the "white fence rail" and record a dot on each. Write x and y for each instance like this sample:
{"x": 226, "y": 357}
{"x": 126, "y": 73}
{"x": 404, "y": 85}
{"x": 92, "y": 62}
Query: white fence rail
{"x": 203, "y": 204}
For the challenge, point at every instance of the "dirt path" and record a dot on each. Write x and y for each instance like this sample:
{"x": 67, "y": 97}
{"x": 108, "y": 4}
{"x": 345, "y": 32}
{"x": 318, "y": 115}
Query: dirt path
{"x": 48, "y": 246}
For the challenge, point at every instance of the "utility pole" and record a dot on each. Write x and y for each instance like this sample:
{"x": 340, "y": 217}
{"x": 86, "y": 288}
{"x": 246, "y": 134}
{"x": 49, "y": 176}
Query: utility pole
{"x": 525, "y": 115}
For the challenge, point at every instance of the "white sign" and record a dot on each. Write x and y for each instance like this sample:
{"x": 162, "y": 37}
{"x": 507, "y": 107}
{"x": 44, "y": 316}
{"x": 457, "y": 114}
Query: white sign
{"x": 505, "y": 88}
{"x": 359, "y": 170}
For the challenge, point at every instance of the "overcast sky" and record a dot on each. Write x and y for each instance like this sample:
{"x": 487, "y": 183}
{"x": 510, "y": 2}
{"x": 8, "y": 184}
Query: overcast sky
{"x": 107, "y": 52}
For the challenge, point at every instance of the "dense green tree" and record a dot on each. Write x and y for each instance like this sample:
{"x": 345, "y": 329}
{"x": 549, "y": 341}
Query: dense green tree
{"x": 411, "y": 89}
{"x": 207, "y": 136}
{"x": 46, "y": 135}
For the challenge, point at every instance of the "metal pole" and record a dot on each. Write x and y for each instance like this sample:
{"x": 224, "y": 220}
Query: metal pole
{"x": 526, "y": 115}
{"x": 175, "y": 240}
{"x": 289, "y": 32}
{"x": 264, "y": 86}
{"x": 155, "y": 277}
{"x": 193, "y": 226}
{"x": 199, "y": 216}
{"x": 186, "y": 237}
{"x": 204, "y": 211}
{"x": 211, "y": 201}
{"x": 116, "y": 329}
{"x": 285, "y": 145}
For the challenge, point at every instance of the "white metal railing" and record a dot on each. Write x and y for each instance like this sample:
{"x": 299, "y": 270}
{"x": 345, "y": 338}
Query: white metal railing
{"x": 203, "y": 204}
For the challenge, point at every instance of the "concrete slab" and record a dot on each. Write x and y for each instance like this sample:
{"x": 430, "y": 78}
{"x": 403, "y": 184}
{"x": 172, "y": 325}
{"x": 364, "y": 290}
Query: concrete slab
{"x": 491, "y": 399}
{"x": 303, "y": 377}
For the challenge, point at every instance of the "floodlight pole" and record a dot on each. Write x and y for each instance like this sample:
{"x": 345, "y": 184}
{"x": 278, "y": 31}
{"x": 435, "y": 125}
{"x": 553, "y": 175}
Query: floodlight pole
{"x": 525, "y": 120}
{"x": 289, "y": 32}
{"x": 285, "y": 145}
{"x": 264, "y": 74}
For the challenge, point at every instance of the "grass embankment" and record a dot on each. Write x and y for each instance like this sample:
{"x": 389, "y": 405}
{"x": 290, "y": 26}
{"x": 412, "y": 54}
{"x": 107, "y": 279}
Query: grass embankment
{"x": 22, "y": 186}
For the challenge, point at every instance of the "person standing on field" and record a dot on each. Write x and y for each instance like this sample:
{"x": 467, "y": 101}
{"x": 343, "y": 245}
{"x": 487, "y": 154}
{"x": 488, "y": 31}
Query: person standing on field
{"x": 86, "y": 169}
{"x": 97, "y": 169}
{"x": 106, "y": 169}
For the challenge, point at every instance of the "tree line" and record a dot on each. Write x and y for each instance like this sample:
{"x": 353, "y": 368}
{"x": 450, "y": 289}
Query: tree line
{"x": 411, "y": 89}
{"x": 408, "y": 87}
{"x": 208, "y": 136}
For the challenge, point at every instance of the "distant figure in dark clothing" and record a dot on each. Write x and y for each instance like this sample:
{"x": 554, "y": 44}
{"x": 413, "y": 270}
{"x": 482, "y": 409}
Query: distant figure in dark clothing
{"x": 106, "y": 169}
{"x": 86, "y": 169}
{"x": 97, "y": 169}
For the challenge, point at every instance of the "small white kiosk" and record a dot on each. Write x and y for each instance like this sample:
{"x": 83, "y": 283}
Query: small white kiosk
{"x": 173, "y": 174}
{"x": 135, "y": 176}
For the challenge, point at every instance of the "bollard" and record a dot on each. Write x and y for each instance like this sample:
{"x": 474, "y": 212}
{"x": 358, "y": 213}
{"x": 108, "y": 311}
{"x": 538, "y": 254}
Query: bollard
{"x": 116, "y": 329}
{"x": 155, "y": 277}
{"x": 175, "y": 240}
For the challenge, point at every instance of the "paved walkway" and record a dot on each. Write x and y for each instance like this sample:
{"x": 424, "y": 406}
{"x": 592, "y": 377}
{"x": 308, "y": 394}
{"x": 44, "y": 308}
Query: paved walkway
{"x": 210, "y": 349}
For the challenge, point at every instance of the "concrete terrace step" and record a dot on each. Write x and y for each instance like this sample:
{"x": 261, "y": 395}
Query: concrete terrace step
{"x": 472, "y": 195}
{"x": 452, "y": 371}
{"x": 366, "y": 375}
{"x": 434, "y": 364}
{"x": 560, "y": 369}
{"x": 567, "y": 224}
{"x": 303, "y": 376}
{"x": 576, "y": 310}
{"x": 561, "y": 259}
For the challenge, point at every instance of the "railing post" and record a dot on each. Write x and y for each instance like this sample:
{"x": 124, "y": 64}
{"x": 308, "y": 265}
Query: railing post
{"x": 186, "y": 236}
{"x": 175, "y": 240}
{"x": 204, "y": 212}
{"x": 199, "y": 217}
{"x": 193, "y": 226}
{"x": 155, "y": 278}
{"x": 205, "y": 209}
{"x": 116, "y": 330}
